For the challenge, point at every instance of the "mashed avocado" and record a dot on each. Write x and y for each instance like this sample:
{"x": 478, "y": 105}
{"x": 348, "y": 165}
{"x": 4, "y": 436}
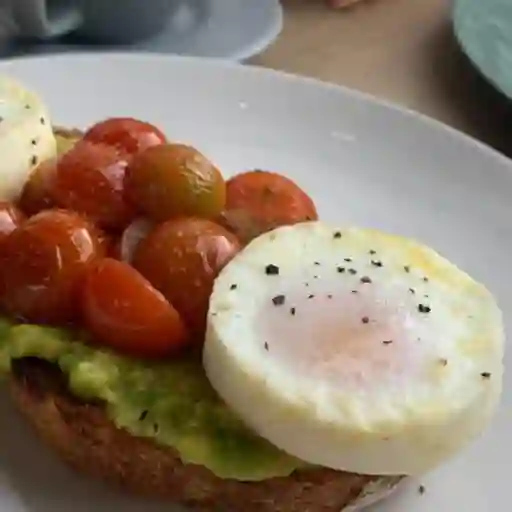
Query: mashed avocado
{"x": 171, "y": 402}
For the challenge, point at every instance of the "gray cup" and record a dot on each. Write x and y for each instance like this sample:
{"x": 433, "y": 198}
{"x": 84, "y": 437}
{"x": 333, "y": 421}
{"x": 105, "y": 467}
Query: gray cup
{"x": 102, "y": 21}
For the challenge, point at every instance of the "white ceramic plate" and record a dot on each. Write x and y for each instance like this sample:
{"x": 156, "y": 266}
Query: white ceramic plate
{"x": 363, "y": 161}
{"x": 228, "y": 29}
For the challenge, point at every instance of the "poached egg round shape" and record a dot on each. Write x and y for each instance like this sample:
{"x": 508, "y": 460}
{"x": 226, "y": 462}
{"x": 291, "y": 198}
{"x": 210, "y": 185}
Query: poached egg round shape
{"x": 354, "y": 349}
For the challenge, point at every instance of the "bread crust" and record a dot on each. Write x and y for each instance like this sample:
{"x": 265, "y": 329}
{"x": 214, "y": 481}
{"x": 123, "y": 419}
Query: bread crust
{"x": 89, "y": 442}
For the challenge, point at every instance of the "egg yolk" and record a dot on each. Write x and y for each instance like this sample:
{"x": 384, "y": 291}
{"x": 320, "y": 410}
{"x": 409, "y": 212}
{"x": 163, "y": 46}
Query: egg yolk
{"x": 352, "y": 338}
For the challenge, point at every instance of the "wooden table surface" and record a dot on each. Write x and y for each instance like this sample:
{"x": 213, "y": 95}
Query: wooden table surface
{"x": 402, "y": 50}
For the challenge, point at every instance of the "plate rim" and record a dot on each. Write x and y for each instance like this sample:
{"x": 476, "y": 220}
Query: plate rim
{"x": 233, "y": 66}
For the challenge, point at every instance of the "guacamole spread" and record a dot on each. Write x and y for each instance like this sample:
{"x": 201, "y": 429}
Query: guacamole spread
{"x": 171, "y": 402}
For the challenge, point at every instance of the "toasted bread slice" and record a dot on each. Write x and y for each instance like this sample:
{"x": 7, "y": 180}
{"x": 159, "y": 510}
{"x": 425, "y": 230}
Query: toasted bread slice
{"x": 88, "y": 441}
{"x": 85, "y": 438}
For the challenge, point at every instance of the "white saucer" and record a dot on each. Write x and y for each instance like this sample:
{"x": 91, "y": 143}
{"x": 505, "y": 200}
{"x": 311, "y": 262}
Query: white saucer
{"x": 226, "y": 29}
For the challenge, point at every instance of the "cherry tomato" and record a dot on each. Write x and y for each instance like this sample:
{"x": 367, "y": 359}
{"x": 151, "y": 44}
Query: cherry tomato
{"x": 10, "y": 218}
{"x": 259, "y": 201}
{"x": 243, "y": 224}
{"x": 123, "y": 311}
{"x": 114, "y": 248}
{"x": 128, "y": 134}
{"x": 36, "y": 194}
{"x": 41, "y": 264}
{"x": 89, "y": 180}
{"x": 174, "y": 180}
{"x": 181, "y": 258}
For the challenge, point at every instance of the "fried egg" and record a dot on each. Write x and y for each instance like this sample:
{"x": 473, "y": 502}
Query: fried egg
{"x": 354, "y": 349}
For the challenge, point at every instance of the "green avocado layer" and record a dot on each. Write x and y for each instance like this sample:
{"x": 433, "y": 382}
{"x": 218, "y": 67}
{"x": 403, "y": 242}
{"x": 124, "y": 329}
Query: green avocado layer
{"x": 171, "y": 402}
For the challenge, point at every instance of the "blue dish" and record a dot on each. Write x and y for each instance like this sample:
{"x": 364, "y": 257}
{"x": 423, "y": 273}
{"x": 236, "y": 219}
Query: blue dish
{"x": 484, "y": 31}
{"x": 226, "y": 29}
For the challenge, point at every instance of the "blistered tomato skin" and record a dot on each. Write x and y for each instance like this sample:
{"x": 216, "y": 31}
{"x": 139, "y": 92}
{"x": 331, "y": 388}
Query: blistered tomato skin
{"x": 125, "y": 133}
{"x": 42, "y": 263}
{"x": 89, "y": 179}
{"x": 11, "y": 217}
{"x": 174, "y": 180}
{"x": 123, "y": 311}
{"x": 259, "y": 201}
{"x": 182, "y": 258}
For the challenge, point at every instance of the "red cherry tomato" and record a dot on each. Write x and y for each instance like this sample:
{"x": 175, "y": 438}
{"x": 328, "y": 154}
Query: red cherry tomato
{"x": 36, "y": 194}
{"x": 181, "y": 258}
{"x": 125, "y": 133}
{"x": 259, "y": 201}
{"x": 10, "y": 218}
{"x": 41, "y": 264}
{"x": 89, "y": 180}
{"x": 114, "y": 248}
{"x": 123, "y": 311}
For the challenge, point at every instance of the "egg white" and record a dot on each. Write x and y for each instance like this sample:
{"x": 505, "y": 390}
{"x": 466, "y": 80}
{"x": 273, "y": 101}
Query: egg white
{"x": 364, "y": 352}
{"x": 26, "y": 136}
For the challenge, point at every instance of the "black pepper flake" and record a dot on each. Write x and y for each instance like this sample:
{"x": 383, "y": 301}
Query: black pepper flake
{"x": 424, "y": 309}
{"x": 348, "y": 260}
{"x": 33, "y": 160}
{"x": 336, "y": 234}
{"x": 376, "y": 263}
{"x": 42, "y": 120}
{"x": 27, "y": 106}
{"x": 421, "y": 489}
{"x": 425, "y": 279}
{"x": 317, "y": 263}
{"x": 412, "y": 290}
{"x": 233, "y": 287}
{"x": 306, "y": 285}
{"x": 33, "y": 142}
{"x": 387, "y": 342}
{"x": 1, "y": 119}
{"x": 329, "y": 296}
{"x": 352, "y": 271}
{"x": 272, "y": 270}
{"x": 266, "y": 346}
{"x": 278, "y": 300}
{"x": 372, "y": 252}
{"x": 365, "y": 280}
{"x": 292, "y": 311}
{"x": 365, "y": 319}
{"x": 311, "y": 296}
{"x": 315, "y": 277}
{"x": 156, "y": 428}
{"x": 143, "y": 415}
{"x": 340, "y": 270}
{"x": 443, "y": 361}
{"x": 355, "y": 291}
{"x": 407, "y": 268}
{"x": 485, "y": 375}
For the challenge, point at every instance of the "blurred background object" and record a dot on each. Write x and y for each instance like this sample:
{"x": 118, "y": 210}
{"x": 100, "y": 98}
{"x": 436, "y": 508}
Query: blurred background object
{"x": 401, "y": 50}
{"x": 228, "y": 29}
{"x": 339, "y": 4}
